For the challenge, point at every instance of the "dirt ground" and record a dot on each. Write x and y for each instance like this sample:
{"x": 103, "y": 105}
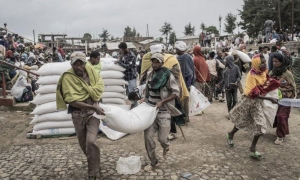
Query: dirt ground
{"x": 206, "y": 132}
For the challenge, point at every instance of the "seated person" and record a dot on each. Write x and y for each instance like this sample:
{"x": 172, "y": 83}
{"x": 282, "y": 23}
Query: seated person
{"x": 22, "y": 89}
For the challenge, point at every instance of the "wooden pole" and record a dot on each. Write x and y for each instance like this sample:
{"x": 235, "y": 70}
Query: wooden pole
{"x": 3, "y": 85}
{"x": 279, "y": 16}
{"x": 293, "y": 19}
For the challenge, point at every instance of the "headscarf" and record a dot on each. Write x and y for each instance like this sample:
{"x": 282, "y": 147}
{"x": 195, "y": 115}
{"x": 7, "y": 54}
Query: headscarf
{"x": 278, "y": 71}
{"x": 180, "y": 45}
{"x": 256, "y": 69}
{"x": 201, "y": 71}
{"x": 9, "y": 54}
{"x": 256, "y": 77}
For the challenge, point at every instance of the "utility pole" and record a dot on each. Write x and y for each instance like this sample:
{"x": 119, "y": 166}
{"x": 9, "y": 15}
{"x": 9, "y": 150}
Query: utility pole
{"x": 33, "y": 37}
{"x": 220, "y": 19}
{"x": 147, "y": 31}
{"x": 293, "y": 19}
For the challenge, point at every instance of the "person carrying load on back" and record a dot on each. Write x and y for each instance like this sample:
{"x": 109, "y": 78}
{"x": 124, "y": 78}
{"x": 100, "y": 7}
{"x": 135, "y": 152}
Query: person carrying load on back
{"x": 81, "y": 87}
{"x": 161, "y": 91}
{"x": 170, "y": 62}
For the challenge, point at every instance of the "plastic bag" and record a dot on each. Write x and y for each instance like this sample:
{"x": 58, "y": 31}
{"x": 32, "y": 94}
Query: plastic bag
{"x": 129, "y": 165}
{"x": 198, "y": 102}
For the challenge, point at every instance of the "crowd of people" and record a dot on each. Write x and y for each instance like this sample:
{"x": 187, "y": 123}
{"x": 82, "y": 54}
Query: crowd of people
{"x": 273, "y": 73}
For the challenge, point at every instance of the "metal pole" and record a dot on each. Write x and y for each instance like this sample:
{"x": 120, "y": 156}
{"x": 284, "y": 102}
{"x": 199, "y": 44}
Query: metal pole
{"x": 293, "y": 19}
{"x": 33, "y": 37}
{"x": 86, "y": 47}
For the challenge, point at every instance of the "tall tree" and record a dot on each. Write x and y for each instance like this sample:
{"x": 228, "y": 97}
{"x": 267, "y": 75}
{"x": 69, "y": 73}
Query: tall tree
{"x": 230, "y": 24}
{"x": 255, "y": 13}
{"x": 112, "y": 38}
{"x": 133, "y": 32}
{"x": 104, "y": 35}
{"x": 138, "y": 35}
{"x": 166, "y": 30}
{"x": 212, "y": 29}
{"x": 128, "y": 32}
{"x": 86, "y": 35}
{"x": 189, "y": 29}
{"x": 172, "y": 38}
{"x": 202, "y": 26}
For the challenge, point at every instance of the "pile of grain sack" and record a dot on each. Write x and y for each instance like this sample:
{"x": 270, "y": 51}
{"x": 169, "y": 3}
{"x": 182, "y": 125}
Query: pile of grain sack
{"x": 48, "y": 121}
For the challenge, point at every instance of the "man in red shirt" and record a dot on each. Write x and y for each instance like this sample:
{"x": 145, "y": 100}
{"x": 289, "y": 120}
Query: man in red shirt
{"x": 61, "y": 51}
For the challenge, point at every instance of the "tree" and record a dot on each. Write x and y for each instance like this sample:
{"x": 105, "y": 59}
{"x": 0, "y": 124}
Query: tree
{"x": 112, "y": 38}
{"x": 255, "y": 13}
{"x": 133, "y": 32}
{"x": 86, "y": 35}
{"x": 128, "y": 32}
{"x": 212, "y": 29}
{"x": 172, "y": 38}
{"x": 230, "y": 23}
{"x": 166, "y": 30}
{"x": 202, "y": 26}
{"x": 138, "y": 35}
{"x": 189, "y": 30}
{"x": 160, "y": 39}
{"x": 104, "y": 35}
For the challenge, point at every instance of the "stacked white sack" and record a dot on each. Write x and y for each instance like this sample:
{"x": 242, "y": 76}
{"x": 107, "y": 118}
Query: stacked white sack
{"x": 48, "y": 121}
{"x": 112, "y": 75}
{"x": 114, "y": 92}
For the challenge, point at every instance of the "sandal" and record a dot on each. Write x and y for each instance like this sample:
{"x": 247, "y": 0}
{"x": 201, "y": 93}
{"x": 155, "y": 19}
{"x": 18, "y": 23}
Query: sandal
{"x": 149, "y": 167}
{"x": 229, "y": 141}
{"x": 255, "y": 155}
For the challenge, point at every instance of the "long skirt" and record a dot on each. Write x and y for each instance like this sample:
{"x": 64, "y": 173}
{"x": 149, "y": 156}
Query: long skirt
{"x": 282, "y": 121}
{"x": 248, "y": 115}
{"x": 212, "y": 84}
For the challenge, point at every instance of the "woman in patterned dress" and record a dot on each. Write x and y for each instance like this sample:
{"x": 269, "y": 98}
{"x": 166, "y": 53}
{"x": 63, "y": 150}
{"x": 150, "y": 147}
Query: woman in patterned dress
{"x": 248, "y": 113}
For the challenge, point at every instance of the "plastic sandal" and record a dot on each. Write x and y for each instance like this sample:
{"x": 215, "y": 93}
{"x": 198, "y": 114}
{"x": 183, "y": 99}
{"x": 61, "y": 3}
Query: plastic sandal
{"x": 229, "y": 141}
{"x": 255, "y": 155}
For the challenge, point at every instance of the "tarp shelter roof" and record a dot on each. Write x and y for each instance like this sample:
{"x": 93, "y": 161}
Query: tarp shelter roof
{"x": 188, "y": 37}
{"x": 115, "y": 46}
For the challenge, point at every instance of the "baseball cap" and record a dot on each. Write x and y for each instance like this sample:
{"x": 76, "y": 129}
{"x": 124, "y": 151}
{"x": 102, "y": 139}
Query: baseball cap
{"x": 158, "y": 56}
{"x": 77, "y": 56}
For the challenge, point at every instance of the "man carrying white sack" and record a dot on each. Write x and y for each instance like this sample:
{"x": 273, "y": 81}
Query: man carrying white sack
{"x": 161, "y": 91}
{"x": 81, "y": 87}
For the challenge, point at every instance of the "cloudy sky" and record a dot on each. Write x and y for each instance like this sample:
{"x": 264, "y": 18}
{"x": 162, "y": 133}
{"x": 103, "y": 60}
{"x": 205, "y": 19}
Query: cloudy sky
{"x": 76, "y": 17}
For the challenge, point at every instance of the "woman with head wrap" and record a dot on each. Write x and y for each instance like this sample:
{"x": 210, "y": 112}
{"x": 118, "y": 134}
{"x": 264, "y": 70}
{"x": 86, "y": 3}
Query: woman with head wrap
{"x": 248, "y": 114}
{"x": 201, "y": 71}
{"x": 213, "y": 65}
{"x": 287, "y": 90}
{"x": 231, "y": 78}
{"x": 187, "y": 70}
